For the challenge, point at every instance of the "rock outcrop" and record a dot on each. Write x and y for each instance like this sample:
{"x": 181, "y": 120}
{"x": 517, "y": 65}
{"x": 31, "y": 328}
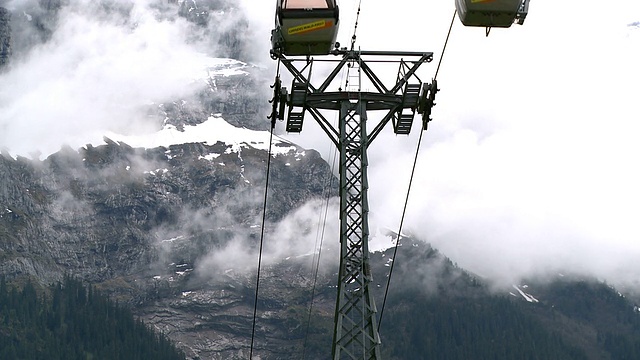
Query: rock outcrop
{"x": 144, "y": 224}
{"x": 5, "y": 37}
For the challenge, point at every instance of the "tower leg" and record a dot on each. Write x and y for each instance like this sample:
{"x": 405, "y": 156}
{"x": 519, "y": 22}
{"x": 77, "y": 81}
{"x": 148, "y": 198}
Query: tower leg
{"x": 356, "y": 332}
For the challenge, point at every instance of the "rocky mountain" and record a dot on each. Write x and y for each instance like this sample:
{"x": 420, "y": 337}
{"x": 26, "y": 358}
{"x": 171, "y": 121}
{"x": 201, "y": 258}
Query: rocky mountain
{"x": 172, "y": 230}
{"x": 144, "y": 225}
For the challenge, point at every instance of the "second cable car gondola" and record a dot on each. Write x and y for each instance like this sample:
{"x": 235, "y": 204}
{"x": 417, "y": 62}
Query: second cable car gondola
{"x": 492, "y": 13}
{"x": 305, "y": 27}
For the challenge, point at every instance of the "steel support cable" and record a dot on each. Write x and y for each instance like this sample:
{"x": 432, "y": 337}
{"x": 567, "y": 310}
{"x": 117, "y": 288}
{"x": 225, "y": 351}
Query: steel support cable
{"x": 413, "y": 170}
{"x": 353, "y": 44}
{"x": 262, "y": 230}
{"x": 355, "y": 28}
{"x": 455, "y": 12}
{"x": 264, "y": 217}
{"x": 322, "y": 232}
{"x": 322, "y": 229}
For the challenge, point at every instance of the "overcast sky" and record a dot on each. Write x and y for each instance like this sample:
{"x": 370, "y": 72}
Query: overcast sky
{"x": 529, "y": 166}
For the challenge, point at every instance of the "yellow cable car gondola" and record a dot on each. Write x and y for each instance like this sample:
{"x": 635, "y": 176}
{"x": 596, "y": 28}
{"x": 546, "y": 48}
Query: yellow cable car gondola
{"x": 305, "y": 27}
{"x": 492, "y": 13}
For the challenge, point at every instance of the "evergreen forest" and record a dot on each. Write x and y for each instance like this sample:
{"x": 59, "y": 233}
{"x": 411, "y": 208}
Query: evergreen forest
{"x": 72, "y": 322}
{"x": 576, "y": 320}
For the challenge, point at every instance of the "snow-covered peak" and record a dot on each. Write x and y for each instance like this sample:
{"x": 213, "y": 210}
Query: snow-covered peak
{"x": 215, "y": 129}
{"x": 225, "y": 67}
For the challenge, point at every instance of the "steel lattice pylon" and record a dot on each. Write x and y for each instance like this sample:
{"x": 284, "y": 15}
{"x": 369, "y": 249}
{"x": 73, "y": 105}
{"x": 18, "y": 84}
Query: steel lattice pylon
{"x": 355, "y": 332}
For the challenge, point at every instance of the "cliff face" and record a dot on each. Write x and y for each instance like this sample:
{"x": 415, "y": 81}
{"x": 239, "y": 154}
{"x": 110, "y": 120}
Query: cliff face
{"x": 148, "y": 226}
{"x": 153, "y": 228}
{"x": 81, "y": 208}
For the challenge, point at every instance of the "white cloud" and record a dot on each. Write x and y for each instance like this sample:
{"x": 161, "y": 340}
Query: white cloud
{"x": 295, "y": 238}
{"x": 95, "y": 75}
{"x": 528, "y": 166}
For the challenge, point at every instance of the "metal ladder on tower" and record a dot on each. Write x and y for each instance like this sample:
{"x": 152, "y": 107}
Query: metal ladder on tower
{"x": 297, "y": 107}
{"x": 403, "y": 119}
